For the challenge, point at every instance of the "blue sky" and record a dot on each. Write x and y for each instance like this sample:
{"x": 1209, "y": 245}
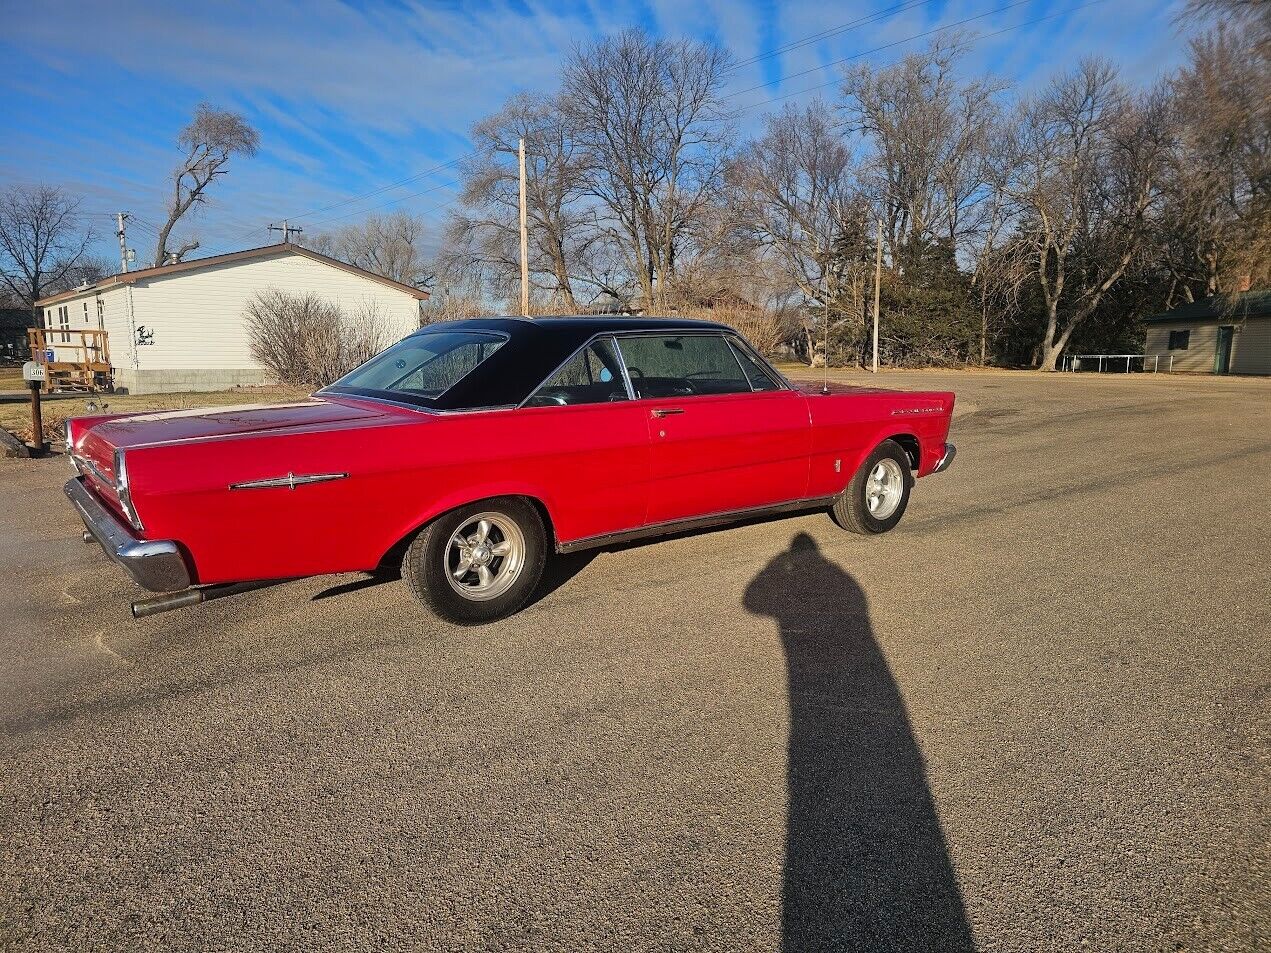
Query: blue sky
{"x": 351, "y": 96}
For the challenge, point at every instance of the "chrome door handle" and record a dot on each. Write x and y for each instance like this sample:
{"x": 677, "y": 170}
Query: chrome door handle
{"x": 667, "y": 411}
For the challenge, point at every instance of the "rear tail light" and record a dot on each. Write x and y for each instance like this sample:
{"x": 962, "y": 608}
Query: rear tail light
{"x": 70, "y": 447}
{"x": 121, "y": 488}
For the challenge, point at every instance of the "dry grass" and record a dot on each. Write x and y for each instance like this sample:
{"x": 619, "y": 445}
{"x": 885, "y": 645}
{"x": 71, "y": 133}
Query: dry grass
{"x": 11, "y": 378}
{"x": 16, "y": 418}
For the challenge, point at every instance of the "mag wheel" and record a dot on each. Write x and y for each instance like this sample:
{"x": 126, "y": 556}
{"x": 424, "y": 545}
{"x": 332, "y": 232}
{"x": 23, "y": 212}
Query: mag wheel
{"x": 878, "y": 493}
{"x": 478, "y": 563}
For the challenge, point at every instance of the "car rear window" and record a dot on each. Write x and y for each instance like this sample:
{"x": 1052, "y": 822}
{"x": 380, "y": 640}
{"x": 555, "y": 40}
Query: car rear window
{"x": 424, "y": 365}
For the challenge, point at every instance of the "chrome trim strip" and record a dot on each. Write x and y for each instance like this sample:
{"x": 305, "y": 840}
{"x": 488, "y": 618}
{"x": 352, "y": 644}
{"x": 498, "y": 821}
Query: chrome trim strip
{"x": 626, "y": 374}
{"x": 86, "y": 464}
{"x": 950, "y": 451}
{"x": 327, "y": 394}
{"x": 671, "y": 527}
{"x": 291, "y": 481}
{"x": 154, "y": 564}
{"x": 774, "y": 375}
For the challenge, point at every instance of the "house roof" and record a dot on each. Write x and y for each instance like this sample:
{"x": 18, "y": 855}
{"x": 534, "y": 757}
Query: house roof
{"x": 1246, "y": 304}
{"x": 144, "y": 274}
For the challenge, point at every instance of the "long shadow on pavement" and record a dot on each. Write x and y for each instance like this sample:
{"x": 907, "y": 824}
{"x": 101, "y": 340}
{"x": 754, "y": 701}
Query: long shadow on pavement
{"x": 866, "y": 863}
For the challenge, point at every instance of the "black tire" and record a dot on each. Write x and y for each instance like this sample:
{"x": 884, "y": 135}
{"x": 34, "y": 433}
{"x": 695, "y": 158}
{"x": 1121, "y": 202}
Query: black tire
{"x": 851, "y": 510}
{"x": 427, "y": 562}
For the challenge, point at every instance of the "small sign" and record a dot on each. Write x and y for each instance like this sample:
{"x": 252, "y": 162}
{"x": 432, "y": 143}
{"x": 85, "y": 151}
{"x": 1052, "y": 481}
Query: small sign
{"x": 48, "y": 355}
{"x": 32, "y": 371}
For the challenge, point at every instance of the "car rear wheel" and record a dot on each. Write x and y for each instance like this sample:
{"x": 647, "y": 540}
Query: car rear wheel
{"x": 878, "y": 493}
{"x": 478, "y": 563}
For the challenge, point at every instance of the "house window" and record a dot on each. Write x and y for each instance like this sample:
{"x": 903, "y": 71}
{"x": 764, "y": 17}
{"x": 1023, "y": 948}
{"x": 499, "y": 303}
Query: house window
{"x": 64, "y": 322}
{"x": 1179, "y": 340}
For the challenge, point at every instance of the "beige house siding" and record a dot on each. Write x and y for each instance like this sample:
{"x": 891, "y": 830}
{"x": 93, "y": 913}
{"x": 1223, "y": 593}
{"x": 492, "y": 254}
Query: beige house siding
{"x": 197, "y": 316}
{"x": 185, "y": 330}
{"x": 1250, "y": 346}
{"x": 1251, "y": 351}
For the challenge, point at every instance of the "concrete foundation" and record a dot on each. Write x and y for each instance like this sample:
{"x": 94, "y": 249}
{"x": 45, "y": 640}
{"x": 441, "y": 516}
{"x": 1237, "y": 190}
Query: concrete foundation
{"x": 142, "y": 381}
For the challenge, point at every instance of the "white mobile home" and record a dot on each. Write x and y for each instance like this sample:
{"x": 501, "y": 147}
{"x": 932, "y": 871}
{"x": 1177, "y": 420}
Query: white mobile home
{"x": 182, "y": 328}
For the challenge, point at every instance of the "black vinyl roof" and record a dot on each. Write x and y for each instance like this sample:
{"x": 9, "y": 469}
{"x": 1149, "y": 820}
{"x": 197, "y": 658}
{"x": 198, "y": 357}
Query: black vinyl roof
{"x": 535, "y": 347}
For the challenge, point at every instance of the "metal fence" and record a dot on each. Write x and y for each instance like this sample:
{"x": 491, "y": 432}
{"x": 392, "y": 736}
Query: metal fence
{"x": 1118, "y": 363}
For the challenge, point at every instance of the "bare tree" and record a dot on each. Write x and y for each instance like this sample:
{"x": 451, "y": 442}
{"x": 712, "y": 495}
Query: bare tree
{"x": 388, "y": 245}
{"x": 1214, "y": 232}
{"x": 1251, "y": 18}
{"x": 649, "y": 118}
{"x": 926, "y": 133}
{"x": 793, "y": 186}
{"x": 488, "y": 230}
{"x": 42, "y": 240}
{"x": 1084, "y": 167}
{"x": 211, "y": 138}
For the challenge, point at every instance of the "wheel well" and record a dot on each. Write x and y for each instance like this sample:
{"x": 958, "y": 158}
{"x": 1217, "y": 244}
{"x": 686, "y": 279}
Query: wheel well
{"x": 392, "y": 557}
{"x": 909, "y": 443}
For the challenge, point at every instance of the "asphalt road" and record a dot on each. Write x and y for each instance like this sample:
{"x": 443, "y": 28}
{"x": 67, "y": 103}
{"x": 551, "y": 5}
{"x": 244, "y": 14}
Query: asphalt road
{"x": 1033, "y": 717}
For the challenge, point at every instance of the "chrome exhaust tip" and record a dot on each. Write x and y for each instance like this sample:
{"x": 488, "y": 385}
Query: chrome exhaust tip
{"x": 192, "y": 597}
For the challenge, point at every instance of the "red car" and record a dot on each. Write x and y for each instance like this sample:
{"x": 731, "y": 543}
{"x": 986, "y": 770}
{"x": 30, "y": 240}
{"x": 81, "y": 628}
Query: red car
{"x": 469, "y": 452}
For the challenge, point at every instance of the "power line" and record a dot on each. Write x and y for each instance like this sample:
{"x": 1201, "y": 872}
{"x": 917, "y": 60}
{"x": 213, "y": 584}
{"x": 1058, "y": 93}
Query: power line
{"x": 917, "y": 36}
{"x": 886, "y": 46}
{"x": 401, "y": 198}
{"x": 831, "y": 32}
{"x": 793, "y": 45}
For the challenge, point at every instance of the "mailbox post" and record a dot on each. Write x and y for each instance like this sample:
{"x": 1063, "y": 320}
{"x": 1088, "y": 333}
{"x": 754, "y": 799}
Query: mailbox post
{"x": 33, "y": 374}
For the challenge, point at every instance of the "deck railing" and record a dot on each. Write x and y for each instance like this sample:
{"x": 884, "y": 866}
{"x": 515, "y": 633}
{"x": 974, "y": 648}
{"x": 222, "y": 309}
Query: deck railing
{"x": 1113, "y": 362}
{"x": 86, "y": 368}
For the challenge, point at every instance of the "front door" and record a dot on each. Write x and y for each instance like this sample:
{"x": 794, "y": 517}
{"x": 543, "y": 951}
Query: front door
{"x": 717, "y": 444}
{"x": 1222, "y": 356}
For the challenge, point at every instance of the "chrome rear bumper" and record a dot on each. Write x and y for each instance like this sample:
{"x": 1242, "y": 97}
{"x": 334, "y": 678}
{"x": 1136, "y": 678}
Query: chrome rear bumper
{"x": 950, "y": 451}
{"x": 154, "y": 564}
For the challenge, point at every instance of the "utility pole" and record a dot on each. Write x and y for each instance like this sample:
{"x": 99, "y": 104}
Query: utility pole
{"x": 120, "y": 218}
{"x": 825, "y": 333}
{"x": 525, "y": 241}
{"x": 286, "y": 230}
{"x": 878, "y": 278}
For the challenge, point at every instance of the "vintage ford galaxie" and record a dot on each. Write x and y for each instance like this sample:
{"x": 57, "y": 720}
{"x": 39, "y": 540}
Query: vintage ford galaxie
{"x": 470, "y": 451}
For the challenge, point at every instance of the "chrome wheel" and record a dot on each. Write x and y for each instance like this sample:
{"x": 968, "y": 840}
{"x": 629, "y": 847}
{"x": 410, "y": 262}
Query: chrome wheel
{"x": 884, "y": 489}
{"x": 485, "y": 556}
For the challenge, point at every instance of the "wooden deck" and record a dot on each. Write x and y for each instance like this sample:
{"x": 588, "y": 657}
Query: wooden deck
{"x": 89, "y": 371}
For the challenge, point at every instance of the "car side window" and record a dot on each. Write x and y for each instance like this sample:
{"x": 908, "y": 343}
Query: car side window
{"x": 592, "y": 376}
{"x": 759, "y": 377}
{"x": 687, "y": 365}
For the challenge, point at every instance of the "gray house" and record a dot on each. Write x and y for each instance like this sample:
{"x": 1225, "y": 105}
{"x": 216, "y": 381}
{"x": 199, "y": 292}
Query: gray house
{"x": 1225, "y": 334}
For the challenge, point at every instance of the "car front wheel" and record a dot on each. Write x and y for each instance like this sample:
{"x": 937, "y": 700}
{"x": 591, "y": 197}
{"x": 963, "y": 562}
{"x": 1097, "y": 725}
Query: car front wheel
{"x": 478, "y": 563}
{"x": 878, "y": 493}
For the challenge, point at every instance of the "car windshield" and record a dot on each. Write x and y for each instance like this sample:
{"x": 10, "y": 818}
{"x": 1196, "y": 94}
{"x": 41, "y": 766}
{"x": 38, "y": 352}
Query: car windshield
{"x": 424, "y": 365}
